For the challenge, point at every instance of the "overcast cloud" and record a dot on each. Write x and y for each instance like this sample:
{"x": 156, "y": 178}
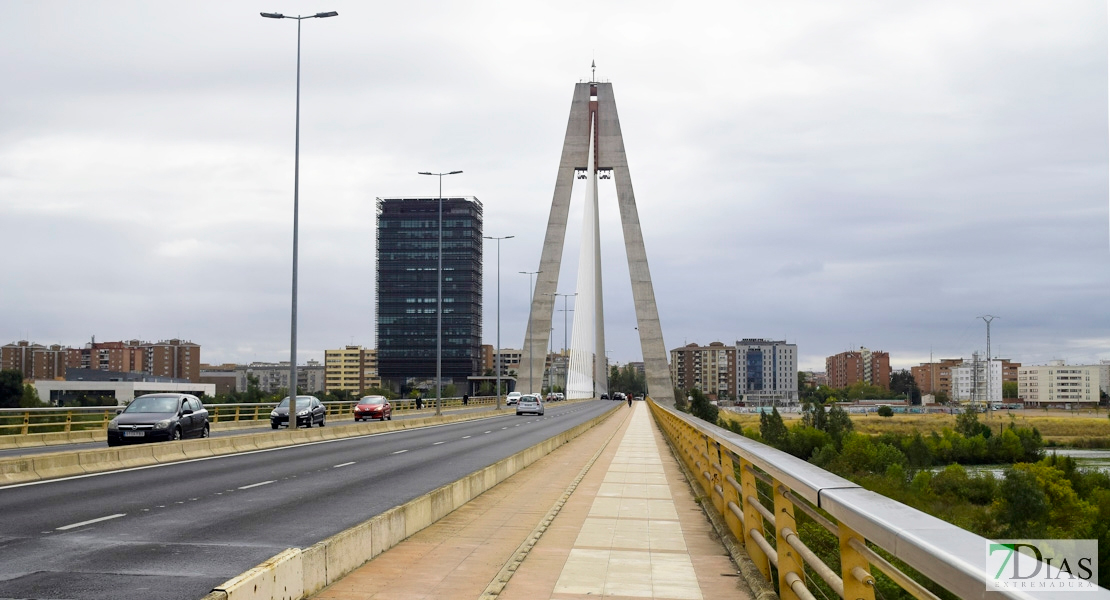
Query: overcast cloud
{"x": 833, "y": 173}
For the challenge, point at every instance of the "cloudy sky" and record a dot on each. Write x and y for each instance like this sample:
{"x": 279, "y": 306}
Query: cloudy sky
{"x": 836, "y": 174}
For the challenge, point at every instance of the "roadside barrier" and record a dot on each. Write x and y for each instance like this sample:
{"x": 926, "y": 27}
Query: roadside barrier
{"x": 331, "y": 559}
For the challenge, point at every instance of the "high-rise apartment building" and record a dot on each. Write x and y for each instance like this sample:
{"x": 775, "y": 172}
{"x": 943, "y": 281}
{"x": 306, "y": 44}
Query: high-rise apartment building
{"x": 172, "y": 358}
{"x": 711, "y": 369}
{"x": 767, "y": 371}
{"x": 35, "y": 361}
{"x": 977, "y": 381}
{"x": 1058, "y": 384}
{"x": 852, "y": 367}
{"x": 351, "y": 368}
{"x": 408, "y": 254}
{"x": 933, "y": 377}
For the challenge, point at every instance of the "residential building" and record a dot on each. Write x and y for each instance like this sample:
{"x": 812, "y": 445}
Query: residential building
{"x": 1104, "y": 376}
{"x": 352, "y": 369}
{"x": 510, "y": 361}
{"x": 172, "y": 358}
{"x": 852, "y": 367}
{"x": 221, "y": 376}
{"x": 976, "y": 381}
{"x": 817, "y": 378}
{"x": 273, "y": 377}
{"x": 35, "y": 361}
{"x": 1059, "y": 385}
{"x": 123, "y": 357}
{"x": 767, "y": 371}
{"x": 711, "y": 369}
{"x": 407, "y": 283}
{"x": 936, "y": 377}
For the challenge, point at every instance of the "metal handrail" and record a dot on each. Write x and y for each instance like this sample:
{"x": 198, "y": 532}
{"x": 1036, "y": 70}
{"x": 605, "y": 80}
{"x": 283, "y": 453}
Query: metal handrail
{"x": 945, "y": 554}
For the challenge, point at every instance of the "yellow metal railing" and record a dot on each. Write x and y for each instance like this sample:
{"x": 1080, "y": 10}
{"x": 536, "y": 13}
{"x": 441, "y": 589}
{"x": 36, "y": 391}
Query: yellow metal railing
{"x": 759, "y": 492}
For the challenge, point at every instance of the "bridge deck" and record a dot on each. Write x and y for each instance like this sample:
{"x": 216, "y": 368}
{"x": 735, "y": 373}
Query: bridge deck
{"x": 629, "y": 529}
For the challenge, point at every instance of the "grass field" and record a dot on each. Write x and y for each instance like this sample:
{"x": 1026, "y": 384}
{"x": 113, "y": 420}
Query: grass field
{"x": 1059, "y": 427}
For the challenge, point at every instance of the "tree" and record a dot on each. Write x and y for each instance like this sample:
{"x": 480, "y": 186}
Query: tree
{"x": 886, "y": 411}
{"x": 772, "y": 429}
{"x": 11, "y": 388}
{"x": 1009, "y": 389}
{"x": 968, "y": 425}
{"x": 903, "y": 383}
{"x": 701, "y": 408}
{"x": 838, "y": 424}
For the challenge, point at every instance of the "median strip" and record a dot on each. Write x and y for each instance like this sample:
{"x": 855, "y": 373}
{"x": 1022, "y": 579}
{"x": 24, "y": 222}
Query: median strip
{"x": 91, "y": 521}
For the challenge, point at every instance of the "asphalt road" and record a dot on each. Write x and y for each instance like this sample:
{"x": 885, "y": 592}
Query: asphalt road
{"x": 331, "y": 421}
{"x": 177, "y": 530}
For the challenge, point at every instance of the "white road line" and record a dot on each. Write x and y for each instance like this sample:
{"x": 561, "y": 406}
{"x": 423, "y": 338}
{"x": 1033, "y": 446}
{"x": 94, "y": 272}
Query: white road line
{"x": 437, "y": 443}
{"x": 466, "y": 437}
{"x": 254, "y": 485}
{"x": 344, "y": 464}
{"x": 91, "y": 521}
{"x": 504, "y": 428}
{"x": 486, "y": 432}
{"x": 400, "y": 451}
{"x": 517, "y": 425}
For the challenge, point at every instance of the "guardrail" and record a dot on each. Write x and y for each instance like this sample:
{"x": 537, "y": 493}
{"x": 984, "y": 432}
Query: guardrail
{"x": 757, "y": 489}
{"x": 24, "y": 421}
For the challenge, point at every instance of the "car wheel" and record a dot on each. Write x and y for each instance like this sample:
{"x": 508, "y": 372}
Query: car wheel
{"x": 176, "y": 434}
{"x": 206, "y": 431}
{"x": 390, "y": 416}
{"x": 383, "y": 417}
{"x": 273, "y": 425}
{"x": 112, "y": 443}
{"x": 322, "y": 421}
{"x": 308, "y": 423}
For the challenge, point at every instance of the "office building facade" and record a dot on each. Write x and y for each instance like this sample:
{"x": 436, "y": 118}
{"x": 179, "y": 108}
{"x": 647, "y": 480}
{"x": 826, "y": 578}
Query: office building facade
{"x": 767, "y": 371}
{"x": 408, "y": 243}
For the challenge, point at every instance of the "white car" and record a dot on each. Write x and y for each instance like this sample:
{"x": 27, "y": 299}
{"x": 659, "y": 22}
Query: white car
{"x": 512, "y": 398}
{"x": 529, "y": 404}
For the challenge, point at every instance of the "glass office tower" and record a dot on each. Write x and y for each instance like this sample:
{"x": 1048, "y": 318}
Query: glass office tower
{"x": 406, "y": 290}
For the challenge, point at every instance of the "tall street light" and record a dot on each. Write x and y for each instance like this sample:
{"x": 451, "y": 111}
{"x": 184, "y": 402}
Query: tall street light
{"x": 566, "y": 347}
{"x": 507, "y": 237}
{"x": 296, "y": 202}
{"x": 439, "y": 294}
{"x": 531, "y": 359}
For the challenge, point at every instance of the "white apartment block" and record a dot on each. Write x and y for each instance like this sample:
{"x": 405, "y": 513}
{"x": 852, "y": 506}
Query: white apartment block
{"x": 510, "y": 361}
{"x": 767, "y": 371}
{"x": 1059, "y": 385}
{"x": 977, "y": 381}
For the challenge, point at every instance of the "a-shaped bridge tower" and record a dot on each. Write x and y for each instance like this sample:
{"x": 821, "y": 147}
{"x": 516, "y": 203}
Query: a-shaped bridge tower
{"x": 594, "y": 148}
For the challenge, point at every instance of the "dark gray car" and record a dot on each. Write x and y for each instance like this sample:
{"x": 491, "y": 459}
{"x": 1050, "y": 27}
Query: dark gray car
{"x": 310, "y": 411}
{"x": 159, "y": 417}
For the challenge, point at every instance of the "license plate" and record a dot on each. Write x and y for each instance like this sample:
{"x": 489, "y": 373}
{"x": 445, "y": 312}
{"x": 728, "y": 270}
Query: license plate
{"x": 134, "y": 433}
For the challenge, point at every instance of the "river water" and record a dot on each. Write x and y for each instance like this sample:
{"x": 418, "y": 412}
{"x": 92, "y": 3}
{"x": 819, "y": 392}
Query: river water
{"x": 1087, "y": 459}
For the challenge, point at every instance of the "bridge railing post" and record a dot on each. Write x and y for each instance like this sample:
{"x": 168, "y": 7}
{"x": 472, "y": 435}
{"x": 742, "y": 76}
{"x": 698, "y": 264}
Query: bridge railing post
{"x": 855, "y": 569}
{"x": 753, "y": 519}
{"x": 791, "y": 567}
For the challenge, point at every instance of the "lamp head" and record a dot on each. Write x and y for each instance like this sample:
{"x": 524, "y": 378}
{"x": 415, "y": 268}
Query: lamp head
{"x": 325, "y": 15}
{"x": 273, "y": 15}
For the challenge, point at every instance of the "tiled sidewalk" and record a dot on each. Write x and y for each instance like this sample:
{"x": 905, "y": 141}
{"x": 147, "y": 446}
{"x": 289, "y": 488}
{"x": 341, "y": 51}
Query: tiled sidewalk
{"x": 630, "y": 530}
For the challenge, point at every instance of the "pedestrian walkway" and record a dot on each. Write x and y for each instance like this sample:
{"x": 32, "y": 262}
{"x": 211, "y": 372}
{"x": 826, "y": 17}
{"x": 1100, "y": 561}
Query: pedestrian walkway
{"x": 629, "y": 529}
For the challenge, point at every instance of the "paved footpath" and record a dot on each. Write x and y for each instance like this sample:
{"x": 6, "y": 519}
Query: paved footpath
{"x": 630, "y": 529}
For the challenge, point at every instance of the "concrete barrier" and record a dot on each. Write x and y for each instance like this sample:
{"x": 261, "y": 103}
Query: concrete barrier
{"x": 19, "y": 470}
{"x": 138, "y": 455}
{"x": 59, "y": 464}
{"x": 101, "y": 460}
{"x": 278, "y": 578}
{"x": 330, "y": 560}
{"x": 196, "y": 448}
{"x": 168, "y": 452}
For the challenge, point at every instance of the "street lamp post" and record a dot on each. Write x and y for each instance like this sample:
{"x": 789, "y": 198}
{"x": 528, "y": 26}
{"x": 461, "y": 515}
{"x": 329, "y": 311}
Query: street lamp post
{"x": 566, "y": 348}
{"x": 296, "y": 206}
{"x": 531, "y": 359}
{"x": 507, "y": 237}
{"x": 439, "y": 295}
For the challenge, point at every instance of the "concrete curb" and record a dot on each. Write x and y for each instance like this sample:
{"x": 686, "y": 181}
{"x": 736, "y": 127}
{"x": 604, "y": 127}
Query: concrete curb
{"x": 333, "y": 558}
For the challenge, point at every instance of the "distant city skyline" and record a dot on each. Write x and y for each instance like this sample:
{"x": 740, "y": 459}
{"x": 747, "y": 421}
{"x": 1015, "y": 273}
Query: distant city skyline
{"x": 835, "y": 176}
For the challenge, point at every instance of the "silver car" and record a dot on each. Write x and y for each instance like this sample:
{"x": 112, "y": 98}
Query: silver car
{"x": 529, "y": 404}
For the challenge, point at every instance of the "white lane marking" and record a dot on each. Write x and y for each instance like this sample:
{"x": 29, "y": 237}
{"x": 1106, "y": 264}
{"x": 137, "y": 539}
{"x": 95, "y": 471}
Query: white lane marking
{"x": 486, "y": 432}
{"x": 437, "y": 443}
{"x": 504, "y": 428}
{"x": 254, "y": 485}
{"x": 466, "y": 437}
{"x": 344, "y": 464}
{"x": 400, "y": 451}
{"x": 517, "y": 425}
{"x": 91, "y": 521}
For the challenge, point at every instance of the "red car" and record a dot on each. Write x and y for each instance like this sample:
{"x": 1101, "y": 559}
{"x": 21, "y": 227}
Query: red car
{"x": 373, "y": 407}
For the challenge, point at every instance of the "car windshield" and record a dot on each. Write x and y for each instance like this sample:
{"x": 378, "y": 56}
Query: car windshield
{"x": 153, "y": 404}
{"x": 372, "y": 400}
{"x": 302, "y": 401}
